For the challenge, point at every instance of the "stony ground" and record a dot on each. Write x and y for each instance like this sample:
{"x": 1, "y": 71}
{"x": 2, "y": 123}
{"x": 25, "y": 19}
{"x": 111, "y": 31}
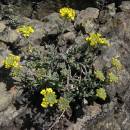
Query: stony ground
{"x": 113, "y": 24}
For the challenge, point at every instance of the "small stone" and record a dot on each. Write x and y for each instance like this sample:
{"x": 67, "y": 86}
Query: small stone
{"x": 80, "y": 40}
{"x": 111, "y": 9}
{"x": 8, "y": 115}
{"x": 69, "y": 36}
{"x": 85, "y": 19}
{"x": 125, "y": 6}
{"x": 9, "y": 36}
{"x": 2, "y": 87}
{"x": 6, "y": 97}
{"x": 2, "y": 26}
{"x": 39, "y": 32}
{"x": 94, "y": 110}
{"x": 54, "y": 24}
{"x": 3, "y": 52}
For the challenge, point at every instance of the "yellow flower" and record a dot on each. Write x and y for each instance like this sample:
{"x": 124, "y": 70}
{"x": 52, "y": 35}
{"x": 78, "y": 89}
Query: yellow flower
{"x": 116, "y": 63}
{"x": 101, "y": 93}
{"x": 113, "y": 78}
{"x": 49, "y": 97}
{"x": 49, "y": 90}
{"x": 25, "y": 30}
{"x": 43, "y": 92}
{"x": 99, "y": 74}
{"x": 44, "y": 103}
{"x": 12, "y": 61}
{"x": 68, "y": 13}
{"x": 96, "y": 38}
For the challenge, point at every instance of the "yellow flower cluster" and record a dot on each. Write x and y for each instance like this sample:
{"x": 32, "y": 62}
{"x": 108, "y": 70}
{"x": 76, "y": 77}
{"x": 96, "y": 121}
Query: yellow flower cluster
{"x": 113, "y": 78}
{"x": 68, "y": 13}
{"x": 25, "y": 30}
{"x": 49, "y": 98}
{"x": 99, "y": 75}
{"x": 12, "y": 61}
{"x": 96, "y": 38}
{"x": 101, "y": 93}
{"x": 116, "y": 63}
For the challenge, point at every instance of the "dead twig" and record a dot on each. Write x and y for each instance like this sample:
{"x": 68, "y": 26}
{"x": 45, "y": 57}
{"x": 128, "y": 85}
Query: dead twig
{"x": 57, "y": 120}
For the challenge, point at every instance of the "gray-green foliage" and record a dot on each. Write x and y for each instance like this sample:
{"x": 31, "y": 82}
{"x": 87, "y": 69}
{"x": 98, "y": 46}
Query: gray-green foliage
{"x": 70, "y": 72}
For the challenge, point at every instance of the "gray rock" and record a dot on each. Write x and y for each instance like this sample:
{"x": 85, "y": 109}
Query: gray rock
{"x": 69, "y": 36}
{"x": 1, "y": 59}
{"x": 88, "y": 13}
{"x": 45, "y": 8}
{"x": 116, "y": 120}
{"x": 39, "y": 31}
{"x": 2, "y": 26}
{"x": 54, "y": 24}
{"x": 8, "y": 115}
{"x": 9, "y": 36}
{"x": 125, "y": 6}
{"x": 91, "y": 112}
{"x": 66, "y": 38}
{"x": 117, "y": 31}
{"x": 25, "y": 9}
{"x": 111, "y": 9}
{"x": 3, "y": 52}
{"x": 6, "y": 97}
{"x": 36, "y": 37}
{"x": 85, "y": 19}
{"x": 2, "y": 87}
{"x": 80, "y": 40}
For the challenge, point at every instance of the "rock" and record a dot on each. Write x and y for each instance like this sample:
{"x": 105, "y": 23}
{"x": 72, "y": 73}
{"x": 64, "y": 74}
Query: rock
{"x": 54, "y": 24}
{"x": 8, "y": 1}
{"x": 23, "y": 9}
{"x": 9, "y": 36}
{"x": 2, "y": 27}
{"x": 125, "y": 6}
{"x": 117, "y": 31}
{"x": 80, "y": 39}
{"x": 36, "y": 37}
{"x": 45, "y": 8}
{"x": 105, "y": 59}
{"x": 85, "y": 19}
{"x": 115, "y": 120}
{"x": 8, "y": 115}
{"x": 66, "y": 38}
{"x": 3, "y": 52}
{"x": 69, "y": 36}
{"x": 88, "y": 13}
{"x": 6, "y": 97}
{"x": 1, "y": 59}
{"x": 93, "y": 110}
{"x": 90, "y": 112}
{"x": 39, "y": 32}
{"x": 121, "y": 25}
{"x": 111, "y": 9}
{"x": 13, "y": 21}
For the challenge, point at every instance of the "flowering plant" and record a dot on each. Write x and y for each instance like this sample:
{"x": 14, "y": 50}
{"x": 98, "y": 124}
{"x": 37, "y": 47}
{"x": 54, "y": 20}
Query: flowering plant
{"x": 68, "y": 13}
{"x": 49, "y": 97}
{"x": 96, "y": 39}
{"x": 25, "y": 30}
{"x": 11, "y": 61}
